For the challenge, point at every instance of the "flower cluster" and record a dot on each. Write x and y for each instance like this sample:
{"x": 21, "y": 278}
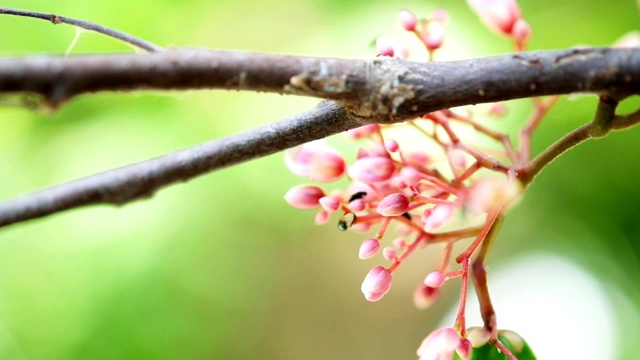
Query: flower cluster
{"x": 422, "y": 182}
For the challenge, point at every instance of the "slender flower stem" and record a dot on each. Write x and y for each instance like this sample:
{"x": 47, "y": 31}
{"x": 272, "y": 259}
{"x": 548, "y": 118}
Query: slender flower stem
{"x": 488, "y": 225}
{"x": 479, "y": 276}
{"x": 87, "y": 25}
{"x": 541, "y": 109}
{"x": 604, "y": 120}
{"x": 464, "y": 287}
{"x": 505, "y": 350}
{"x": 414, "y": 245}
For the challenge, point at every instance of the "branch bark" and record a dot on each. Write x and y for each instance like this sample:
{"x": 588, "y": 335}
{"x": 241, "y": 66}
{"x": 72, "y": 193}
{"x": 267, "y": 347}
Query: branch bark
{"x": 380, "y": 90}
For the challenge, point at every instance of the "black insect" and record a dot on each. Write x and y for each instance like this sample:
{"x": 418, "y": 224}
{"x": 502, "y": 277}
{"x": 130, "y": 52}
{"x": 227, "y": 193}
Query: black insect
{"x": 358, "y": 195}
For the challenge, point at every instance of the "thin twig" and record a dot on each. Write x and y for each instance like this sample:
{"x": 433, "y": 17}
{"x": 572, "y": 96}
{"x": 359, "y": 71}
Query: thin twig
{"x": 87, "y": 25}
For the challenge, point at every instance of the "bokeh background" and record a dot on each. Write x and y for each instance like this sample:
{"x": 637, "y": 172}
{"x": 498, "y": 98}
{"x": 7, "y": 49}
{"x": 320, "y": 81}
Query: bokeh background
{"x": 222, "y": 268}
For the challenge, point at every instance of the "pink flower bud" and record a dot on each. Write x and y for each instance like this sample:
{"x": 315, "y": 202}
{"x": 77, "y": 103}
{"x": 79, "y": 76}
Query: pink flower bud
{"x": 399, "y": 243}
{"x": 464, "y": 349}
{"x": 364, "y": 131}
{"x": 304, "y": 196}
{"x": 425, "y": 296}
{"x": 329, "y": 203}
{"x": 393, "y": 205}
{"x": 372, "y": 169}
{"x": 417, "y": 159}
{"x": 410, "y": 175}
{"x": 322, "y": 217}
{"x": 391, "y": 145}
{"x": 432, "y": 35}
{"x": 408, "y": 20}
{"x": 377, "y": 283}
{"x": 315, "y": 160}
{"x": 389, "y": 253}
{"x": 369, "y": 248}
{"x": 521, "y": 31}
{"x": 440, "y": 15}
{"x": 492, "y": 194}
{"x": 434, "y": 279}
{"x": 457, "y": 160}
{"x": 499, "y": 15}
{"x": 357, "y": 205}
{"x": 384, "y": 46}
{"x": 440, "y": 344}
{"x": 437, "y": 216}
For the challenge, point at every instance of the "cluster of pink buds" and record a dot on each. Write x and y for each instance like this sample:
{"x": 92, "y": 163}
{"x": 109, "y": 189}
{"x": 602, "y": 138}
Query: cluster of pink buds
{"x": 504, "y": 17}
{"x": 429, "y": 31}
{"x": 437, "y": 189}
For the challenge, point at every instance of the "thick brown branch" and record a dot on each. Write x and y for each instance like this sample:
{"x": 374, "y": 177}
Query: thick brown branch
{"x": 143, "y": 179}
{"x": 382, "y": 90}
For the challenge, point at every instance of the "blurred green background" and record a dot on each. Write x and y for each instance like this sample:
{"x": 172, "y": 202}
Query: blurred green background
{"x": 222, "y": 267}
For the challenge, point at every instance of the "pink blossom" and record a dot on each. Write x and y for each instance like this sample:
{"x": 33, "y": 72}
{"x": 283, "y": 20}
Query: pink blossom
{"x": 464, "y": 349}
{"x": 315, "y": 160}
{"x": 357, "y": 205}
{"x": 377, "y": 283}
{"x": 425, "y": 296}
{"x": 389, "y": 253}
{"x": 393, "y": 205}
{"x": 492, "y": 194}
{"x": 440, "y": 15}
{"x": 408, "y": 20}
{"x": 432, "y": 35}
{"x": 521, "y": 31}
{"x": 439, "y": 345}
{"x": 391, "y": 145}
{"x": 384, "y": 46}
{"x": 437, "y": 216}
{"x": 410, "y": 175}
{"x": 369, "y": 248}
{"x": 372, "y": 169}
{"x": 322, "y": 217}
{"x": 434, "y": 279}
{"x": 304, "y": 196}
{"x": 499, "y": 15}
{"x": 417, "y": 159}
{"x": 399, "y": 243}
{"x": 363, "y": 131}
{"x": 329, "y": 203}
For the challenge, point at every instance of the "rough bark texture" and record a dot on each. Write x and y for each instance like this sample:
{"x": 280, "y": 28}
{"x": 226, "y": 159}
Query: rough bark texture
{"x": 381, "y": 90}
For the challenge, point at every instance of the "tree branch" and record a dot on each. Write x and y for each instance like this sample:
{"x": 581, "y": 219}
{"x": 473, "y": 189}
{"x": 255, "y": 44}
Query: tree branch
{"x": 142, "y": 180}
{"x": 87, "y": 25}
{"x": 382, "y": 90}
